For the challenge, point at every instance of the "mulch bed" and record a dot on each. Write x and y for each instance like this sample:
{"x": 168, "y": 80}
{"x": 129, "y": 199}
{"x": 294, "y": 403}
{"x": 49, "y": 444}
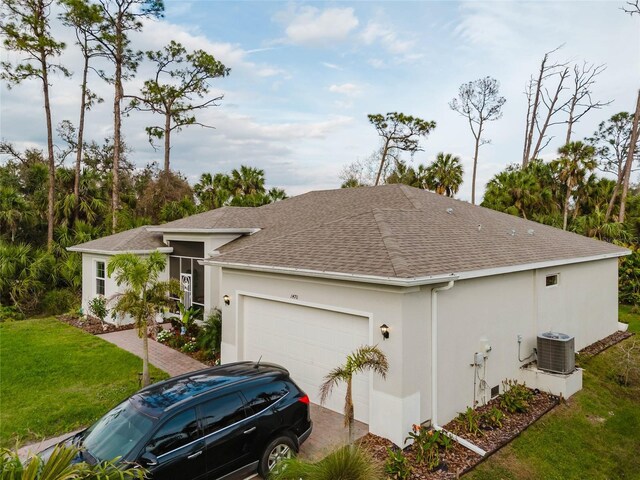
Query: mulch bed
{"x": 602, "y": 345}
{"x": 458, "y": 459}
{"x": 92, "y": 325}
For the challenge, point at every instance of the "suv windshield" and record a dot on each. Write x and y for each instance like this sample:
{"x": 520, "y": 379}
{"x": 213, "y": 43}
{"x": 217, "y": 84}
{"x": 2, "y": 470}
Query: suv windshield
{"x": 115, "y": 434}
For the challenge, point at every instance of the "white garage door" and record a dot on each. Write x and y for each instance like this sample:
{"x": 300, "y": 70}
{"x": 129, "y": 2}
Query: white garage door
{"x": 309, "y": 342}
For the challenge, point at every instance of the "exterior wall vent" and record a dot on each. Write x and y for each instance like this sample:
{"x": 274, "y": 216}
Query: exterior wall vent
{"x": 556, "y": 352}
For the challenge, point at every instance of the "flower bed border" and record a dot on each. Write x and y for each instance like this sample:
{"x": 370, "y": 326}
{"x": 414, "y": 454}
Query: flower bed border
{"x": 601, "y": 345}
{"x": 92, "y": 325}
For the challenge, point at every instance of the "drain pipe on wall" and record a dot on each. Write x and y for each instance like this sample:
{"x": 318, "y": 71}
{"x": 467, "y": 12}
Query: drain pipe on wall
{"x": 434, "y": 373}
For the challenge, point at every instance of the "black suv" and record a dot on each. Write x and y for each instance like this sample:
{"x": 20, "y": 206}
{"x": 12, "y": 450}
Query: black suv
{"x": 222, "y": 422}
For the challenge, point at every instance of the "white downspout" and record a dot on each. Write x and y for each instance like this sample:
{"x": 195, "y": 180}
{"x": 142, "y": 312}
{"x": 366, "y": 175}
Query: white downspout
{"x": 434, "y": 373}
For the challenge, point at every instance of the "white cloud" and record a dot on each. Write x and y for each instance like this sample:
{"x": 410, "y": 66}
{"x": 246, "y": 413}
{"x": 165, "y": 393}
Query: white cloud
{"x": 312, "y": 26}
{"x": 386, "y": 37}
{"x": 377, "y": 63}
{"x": 348, "y": 89}
{"x": 332, "y": 66}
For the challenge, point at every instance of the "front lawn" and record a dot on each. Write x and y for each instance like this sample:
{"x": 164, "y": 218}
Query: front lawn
{"x": 55, "y": 378}
{"x": 595, "y": 435}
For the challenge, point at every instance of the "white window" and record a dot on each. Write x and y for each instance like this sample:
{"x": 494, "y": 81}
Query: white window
{"x": 551, "y": 280}
{"x": 100, "y": 278}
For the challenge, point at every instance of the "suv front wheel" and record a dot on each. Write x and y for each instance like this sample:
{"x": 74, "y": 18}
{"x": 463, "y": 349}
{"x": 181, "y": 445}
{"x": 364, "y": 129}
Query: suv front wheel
{"x": 278, "y": 449}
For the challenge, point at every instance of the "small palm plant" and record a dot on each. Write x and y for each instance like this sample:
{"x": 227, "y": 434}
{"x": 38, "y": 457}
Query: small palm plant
{"x": 145, "y": 295}
{"x": 60, "y": 466}
{"x": 364, "y": 358}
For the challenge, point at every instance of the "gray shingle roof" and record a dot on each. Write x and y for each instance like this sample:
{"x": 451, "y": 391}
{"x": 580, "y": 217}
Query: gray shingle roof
{"x": 134, "y": 240}
{"x": 387, "y": 231}
{"x": 402, "y": 232}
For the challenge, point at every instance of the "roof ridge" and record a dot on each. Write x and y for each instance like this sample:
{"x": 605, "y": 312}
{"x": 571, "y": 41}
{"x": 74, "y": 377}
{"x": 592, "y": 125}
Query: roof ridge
{"x": 405, "y": 189}
{"x": 394, "y": 251}
{"x": 313, "y": 227}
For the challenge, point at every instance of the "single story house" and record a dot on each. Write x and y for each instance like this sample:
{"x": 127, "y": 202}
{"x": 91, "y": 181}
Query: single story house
{"x": 463, "y": 290}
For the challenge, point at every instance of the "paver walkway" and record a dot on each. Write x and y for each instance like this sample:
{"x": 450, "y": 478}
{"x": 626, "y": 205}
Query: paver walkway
{"x": 161, "y": 356}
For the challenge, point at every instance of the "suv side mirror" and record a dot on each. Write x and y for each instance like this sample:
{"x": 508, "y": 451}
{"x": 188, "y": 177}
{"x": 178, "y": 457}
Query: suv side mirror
{"x": 148, "y": 459}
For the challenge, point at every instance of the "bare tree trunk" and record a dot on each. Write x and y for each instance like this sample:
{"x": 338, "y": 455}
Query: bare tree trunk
{"x": 475, "y": 168}
{"x": 525, "y": 151}
{"x": 570, "y": 120}
{"x": 117, "y": 124}
{"x": 534, "y": 112}
{"x": 52, "y": 164}
{"x": 614, "y": 195}
{"x": 167, "y": 141}
{"x": 83, "y": 107}
{"x": 382, "y": 161}
{"x": 565, "y": 212}
{"x": 550, "y": 113}
{"x": 146, "y": 379}
{"x": 630, "y": 152}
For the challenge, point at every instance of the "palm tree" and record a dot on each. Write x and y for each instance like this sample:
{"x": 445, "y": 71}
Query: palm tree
{"x": 246, "y": 181}
{"x": 364, "y": 358}
{"x": 444, "y": 175}
{"x": 14, "y": 210}
{"x": 212, "y": 191}
{"x": 576, "y": 159}
{"x": 61, "y": 466}
{"x": 145, "y": 294}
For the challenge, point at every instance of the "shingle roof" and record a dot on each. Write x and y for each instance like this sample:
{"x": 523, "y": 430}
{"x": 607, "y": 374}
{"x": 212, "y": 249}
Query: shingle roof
{"x": 135, "y": 240}
{"x": 401, "y": 232}
{"x": 387, "y": 231}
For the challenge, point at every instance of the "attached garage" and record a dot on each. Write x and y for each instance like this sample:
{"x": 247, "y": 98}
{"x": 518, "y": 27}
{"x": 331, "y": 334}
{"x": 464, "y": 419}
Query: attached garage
{"x": 309, "y": 342}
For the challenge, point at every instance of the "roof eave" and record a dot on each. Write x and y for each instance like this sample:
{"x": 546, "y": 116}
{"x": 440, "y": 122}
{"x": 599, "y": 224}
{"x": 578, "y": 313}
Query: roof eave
{"x": 350, "y": 277}
{"x": 486, "y": 272}
{"x": 414, "y": 281}
{"x": 116, "y": 252}
{"x": 242, "y": 231}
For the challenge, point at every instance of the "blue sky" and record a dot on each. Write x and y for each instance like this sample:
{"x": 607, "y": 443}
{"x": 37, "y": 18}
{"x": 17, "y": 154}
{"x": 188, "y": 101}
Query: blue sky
{"x": 306, "y": 74}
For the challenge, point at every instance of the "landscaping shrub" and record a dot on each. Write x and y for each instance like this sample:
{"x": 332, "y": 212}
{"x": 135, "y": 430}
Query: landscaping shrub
{"x": 210, "y": 336}
{"x": 397, "y": 466}
{"x": 629, "y": 276}
{"x": 469, "y": 420}
{"x": 98, "y": 307}
{"x": 60, "y": 465}
{"x": 57, "y": 302}
{"x": 515, "y": 397}
{"x": 348, "y": 463}
{"x": 10, "y": 314}
{"x": 492, "y": 418}
{"x": 426, "y": 444}
{"x": 627, "y": 363}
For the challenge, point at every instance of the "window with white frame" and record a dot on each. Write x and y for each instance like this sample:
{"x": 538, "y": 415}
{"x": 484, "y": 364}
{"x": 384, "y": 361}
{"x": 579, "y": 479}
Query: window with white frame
{"x": 100, "y": 278}
{"x": 551, "y": 280}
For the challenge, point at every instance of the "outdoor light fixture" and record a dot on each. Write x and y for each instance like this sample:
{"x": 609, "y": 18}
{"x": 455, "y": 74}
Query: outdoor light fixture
{"x": 227, "y": 299}
{"x": 384, "y": 329}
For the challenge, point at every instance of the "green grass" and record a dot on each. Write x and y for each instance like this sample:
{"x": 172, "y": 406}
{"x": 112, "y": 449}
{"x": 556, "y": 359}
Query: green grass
{"x": 596, "y": 435}
{"x": 55, "y": 378}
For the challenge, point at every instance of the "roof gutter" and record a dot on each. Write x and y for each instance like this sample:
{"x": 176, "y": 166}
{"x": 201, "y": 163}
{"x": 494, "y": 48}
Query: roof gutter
{"x": 350, "y": 277}
{"x": 434, "y": 373}
{"x": 116, "y": 252}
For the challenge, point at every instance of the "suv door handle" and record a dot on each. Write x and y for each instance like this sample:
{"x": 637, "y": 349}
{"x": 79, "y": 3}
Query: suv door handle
{"x": 246, "y": 432}
{"x": 194, "y": 455}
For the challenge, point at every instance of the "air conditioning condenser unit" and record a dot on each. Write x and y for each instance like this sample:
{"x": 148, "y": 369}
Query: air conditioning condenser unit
{"x": 556, "y": 352}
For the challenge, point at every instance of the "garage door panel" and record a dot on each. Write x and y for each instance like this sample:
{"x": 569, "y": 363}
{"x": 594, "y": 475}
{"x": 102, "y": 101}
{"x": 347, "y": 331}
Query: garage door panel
{"x": 309, "y": 342}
